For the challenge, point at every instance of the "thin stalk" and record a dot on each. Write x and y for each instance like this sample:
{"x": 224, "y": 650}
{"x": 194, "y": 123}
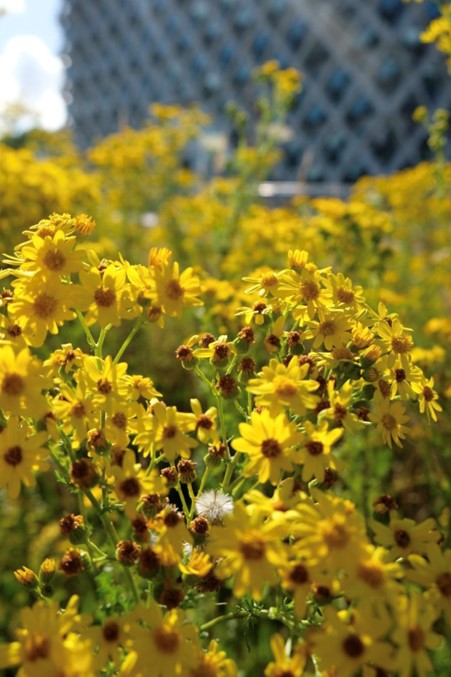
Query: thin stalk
{"x": 128, "y": 340}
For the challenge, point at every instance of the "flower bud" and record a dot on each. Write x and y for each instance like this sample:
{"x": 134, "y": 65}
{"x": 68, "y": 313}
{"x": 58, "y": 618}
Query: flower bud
{"x": 47, "y": 570}
{"x": 27, "y": 578}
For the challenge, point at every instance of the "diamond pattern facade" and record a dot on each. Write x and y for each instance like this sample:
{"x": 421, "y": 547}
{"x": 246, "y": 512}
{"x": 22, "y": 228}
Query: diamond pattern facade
{"x": 364, "y": 72}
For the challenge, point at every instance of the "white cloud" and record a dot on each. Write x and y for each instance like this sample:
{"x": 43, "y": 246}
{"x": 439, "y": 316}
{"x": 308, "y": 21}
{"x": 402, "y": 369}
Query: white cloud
{"x": 12, "y": 6}
{"x": 32, "y": 78}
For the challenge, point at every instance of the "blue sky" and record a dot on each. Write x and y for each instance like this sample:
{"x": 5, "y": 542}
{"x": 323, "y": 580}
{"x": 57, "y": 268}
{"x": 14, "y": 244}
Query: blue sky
{"x": 31, "y": 70}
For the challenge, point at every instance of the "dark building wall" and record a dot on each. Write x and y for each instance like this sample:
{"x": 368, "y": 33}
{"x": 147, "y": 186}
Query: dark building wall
{"x": 364, "y": 72}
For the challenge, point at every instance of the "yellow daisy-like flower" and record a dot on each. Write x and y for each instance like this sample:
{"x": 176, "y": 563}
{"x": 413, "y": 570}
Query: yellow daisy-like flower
{"x": 343, "y": 293}
{"x": 52, "y": 255}
{"x": 20, "y": 456}
{"x": 131, "y": 482}
{"x": 331, "y": 330}
{"x": 427, "y": 398}
{"x": 404, "y": 536}
{"x": 269, "y": 442}
{"x": 175, "y": 290}
{"x": 292, "y": 666}
{"x": 330, "y": 531}
{"x": 434, "y": 574}
{"x": 316, "y": 447}
{"x": 394, "y": 338}
{"x": 104, "y": 381}
{"x": 372, "y": 580}
{"x": 21, "y": 383}
{"x": 47, "y": 645}
{"x": 105, "y": 296}
{"x": 167, "y": 643}
{"x": 390, "y": 419}
{"x": 205, "y": 422}
{"x": 109, "y": 638}
{"x": 347, "y": 642}
{"x": 340, "y": 407}
{"x": 41, "y": 306}
{"x": 278, "y": 386}
{"x": 249, "y": 548}
{"x": 169, "y": 435}
{"x": 413, "y": 635}
{"x": 214, "y": 663}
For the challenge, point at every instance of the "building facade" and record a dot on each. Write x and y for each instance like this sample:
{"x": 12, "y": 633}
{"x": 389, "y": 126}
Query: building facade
{"x": 364, "y": 72}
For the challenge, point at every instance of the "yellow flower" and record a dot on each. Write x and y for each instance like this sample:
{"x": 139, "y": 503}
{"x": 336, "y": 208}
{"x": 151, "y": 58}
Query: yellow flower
{"x": 435, "y": 575}
{"x": 213, "y": 663}
{"x": 175, "y": 290}
{"x": 339, "y": 409}
{"x": 167, "y": 643}
{"x": 413, "y": 635}
{"x": 249, "y": 548}
{"x": 169, "y": 432}
{"x": 41, "y": 306}
{"x": 347, "y": 642}
{"x": 104, "y": 381}
{"x": 21, "y": 382}
{"x": 403, "y": 536}
{"x": 131, "y": 482}
{"x": 372, "y": 579}
{"x": 393, "y": 337}
{"x": 316, "y": 447}
{"x": 278, "y": 386}
{"x": 47, "y": 645}
{"x": 20, "y": 456}
{"x": 205, "y": 422}
{"x": 109, "y": 638}
{"x": 105, "y": 296}
{"x": 331, "y": 330}
{"x": 390, "y": 420}
{"x": 427, "y": 398}
{"x": 283, "y": 664}
{"x": 52, "y": 255}
{"x": 269, "y": 444}
{"x": 330, "y": 531}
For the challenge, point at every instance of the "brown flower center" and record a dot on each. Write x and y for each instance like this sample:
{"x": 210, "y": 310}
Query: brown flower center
{"x": 45, "y": 305}
{"x": 353, "y": 646}
{"x": 284, "y": 386}
{"x": 169, "y": 432}
{"x": 104, "y": 386}
{"x": 389, "y": 422}
{"x": 167, "y": 641}
{"x": 314, "y": 448}
{"x": 327, "y": 328}
{"x": 36, "y": 647}
{"x": 78, "y": 410}
{"x": 416, "y": 638}
{"x": 111, "y": 631}
{"x": 299, "y": 574}
{"x": 13, "y": 456}
{"x": 119, "y": 420}
{"x": 428, "y": 394}
{"x": 345, "y": 295}
{"x": 443, "y": 582}
{"x": 401, "y": 344}
{"x": 253, "y": 549}
{"x": 104, "y": 297}
{"x": 270, "y": 448}
{"x": 402, "y": 538}
{"x": 54, "y": 260}
{"x": 400, "y": 375}
{"x": 309, "y": 290}
{"x": 371, "y": 574}
{"x": 174, "y": 290}
{"x": 335, "y": 534}
{"x": 12, "y": 384}
{"x": 130, "y": 487}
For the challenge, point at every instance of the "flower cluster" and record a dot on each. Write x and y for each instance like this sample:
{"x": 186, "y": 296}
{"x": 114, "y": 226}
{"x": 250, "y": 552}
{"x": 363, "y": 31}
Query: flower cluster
{"x": 241, "y": 499}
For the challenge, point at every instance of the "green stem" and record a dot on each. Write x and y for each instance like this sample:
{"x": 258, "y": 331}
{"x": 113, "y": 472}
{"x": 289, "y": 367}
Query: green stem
{"x": 99, "y": 344}
{"x": 223, "y": 619}
{"x": 128, "y": 340}
{"x": 229, "y": 471}
{"x": 89, "y": 337}
{"x": 113, "y": 537}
